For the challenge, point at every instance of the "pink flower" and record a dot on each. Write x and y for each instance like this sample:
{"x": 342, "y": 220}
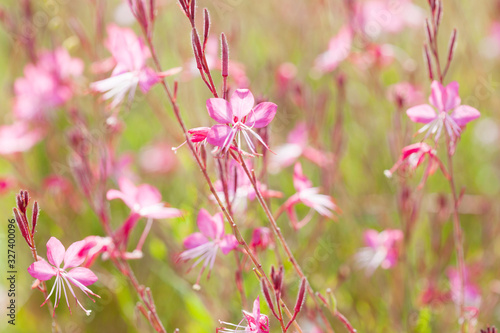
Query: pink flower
{"x": 309, "y": 196}
{"x": 78, "y": 276}
{"x": 6, "y": 184}
{"x": 296, "y": 146}
{"x": 445, "y": 100}
{"x": 130, "y": 54}
{"x": 414, "y": 155}
{"x": 144, "y": 201}
{"x": 472, "y": 293}
{"x": 381, "y": 249}
{"x": 405, "y": 93}
{"x": 256, "y": 322}
{"x": 46, "y": 85}
{"x": 205, "y": 244}
{"x": 339, "y": 49}
{"x": 18, "y": 137}
{"x": 388, "y": 16}
{"x": 104, "y": 246}
{"x": 237, "y": 118}
{"x": 261, "y": 238}
{"x": 157, "y": 158}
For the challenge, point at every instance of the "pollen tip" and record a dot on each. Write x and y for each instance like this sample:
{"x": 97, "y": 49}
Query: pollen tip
{"x": 388, "y": 173}
{"x": 196, "y": 287}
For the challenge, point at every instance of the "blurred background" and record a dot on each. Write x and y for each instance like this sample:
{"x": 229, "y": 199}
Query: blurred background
{"x": 262, "y": 37}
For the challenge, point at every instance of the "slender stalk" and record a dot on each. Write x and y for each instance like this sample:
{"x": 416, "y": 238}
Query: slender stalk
{"x": 235, "y": 229}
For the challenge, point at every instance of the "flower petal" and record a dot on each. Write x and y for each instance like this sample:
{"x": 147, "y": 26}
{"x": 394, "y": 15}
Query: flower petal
{"x": 147, "y": 195}
{"x": 228, "y": 243}
{"x": 73, "y": 256}
{"x": 452, "y": 99}
{"x": 242, "y": 102}
{"x": 423, "y": 113}
{"x": 42, "y": 270}
{"x": 464, "y": 113}
{"x": 195, "y": 240}
{"x": 220, "y": 110}
{"x": 206, "y": 224}
{"x": 218, "y": 135}
{"x": 55, "y": 251}
{"x": 83, "y": 275}
{"x": 438, "y": 94}
{"x": 261, "y": 115}
{"x": 159, "y": 211}
{"x": 300, "y": 181}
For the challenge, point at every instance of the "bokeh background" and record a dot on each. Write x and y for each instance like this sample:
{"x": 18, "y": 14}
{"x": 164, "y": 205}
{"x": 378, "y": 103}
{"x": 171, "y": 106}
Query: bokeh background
{"x": 263, "y": 36}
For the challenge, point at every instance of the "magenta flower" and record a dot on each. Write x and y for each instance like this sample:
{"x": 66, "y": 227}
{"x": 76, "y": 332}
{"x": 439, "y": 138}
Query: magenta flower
{"x": 444, "y": 100}
{"x": 130, "y": 54}
{"x": 256, "y": 322}
{"x": 261, "y": 238}
{"x": 381, "y": 249}
{"x": 472, "y": 293}
{"x": 405, "y": 93}
{"x": 339, "y": 48}
{"x": 73, "y": 257}
{"x": 205, "y": 244}
{"x": 18, "y": 137}
{"x": 414, "y": 155}
{"x": 46, "y": 85}
{"x": 309, "y": 196}
{"x": 296, "y": 146}
{"x": 144, "y": 201}
{"x": 237, "y": 118}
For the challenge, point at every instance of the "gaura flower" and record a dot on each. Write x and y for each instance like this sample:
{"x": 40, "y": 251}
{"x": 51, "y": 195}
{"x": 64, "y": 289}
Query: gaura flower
{"x": 256, "y": 322}
{"x": 18, "y": 137}
{"x": 309, "y": 196}
{"x": 446, "y": 111}
{"x": 414, "y": 155}
{"x": 130, "y": 54}
{"x": 339, "y": 48}
{"x": 381, "y": 249}
{"x": 73, "y": 257}
{"x": 45, "y": 85}
{"x": 261, "y": 238}
{"x": 296, "y": 146}
{"x": 472, "y": 293}
{"x": 205, "y": 244}
{"x": 237, "y": 118}
{"x": 144, "y": 201}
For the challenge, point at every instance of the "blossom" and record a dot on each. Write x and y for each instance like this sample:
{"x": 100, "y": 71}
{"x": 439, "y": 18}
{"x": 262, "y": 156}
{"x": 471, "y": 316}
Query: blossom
{"x": 205, "y": 244}
{"x": 18, "y": 137}
{"x": 104, "y": 246}
{"x": 237, "y": 118}
{"x": 73, "y": 257}
{"x": 445, "y": 100}
{"x": 45, "y": 85}
{"x": 472, "y": 293}
{"x": 339, "y": 48}
{"x": 309, "y": 196}
{"x": 256, "y": 322}
{"x": 144, "y": 201}
{"x": 296, "y": 146}
{"x": 414, "y": 155}
{"x": 405, "y": 93}
{"x": 381, "y": 249}
{"x": 261, "y": 238}
{"x": 130, "y": 54}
